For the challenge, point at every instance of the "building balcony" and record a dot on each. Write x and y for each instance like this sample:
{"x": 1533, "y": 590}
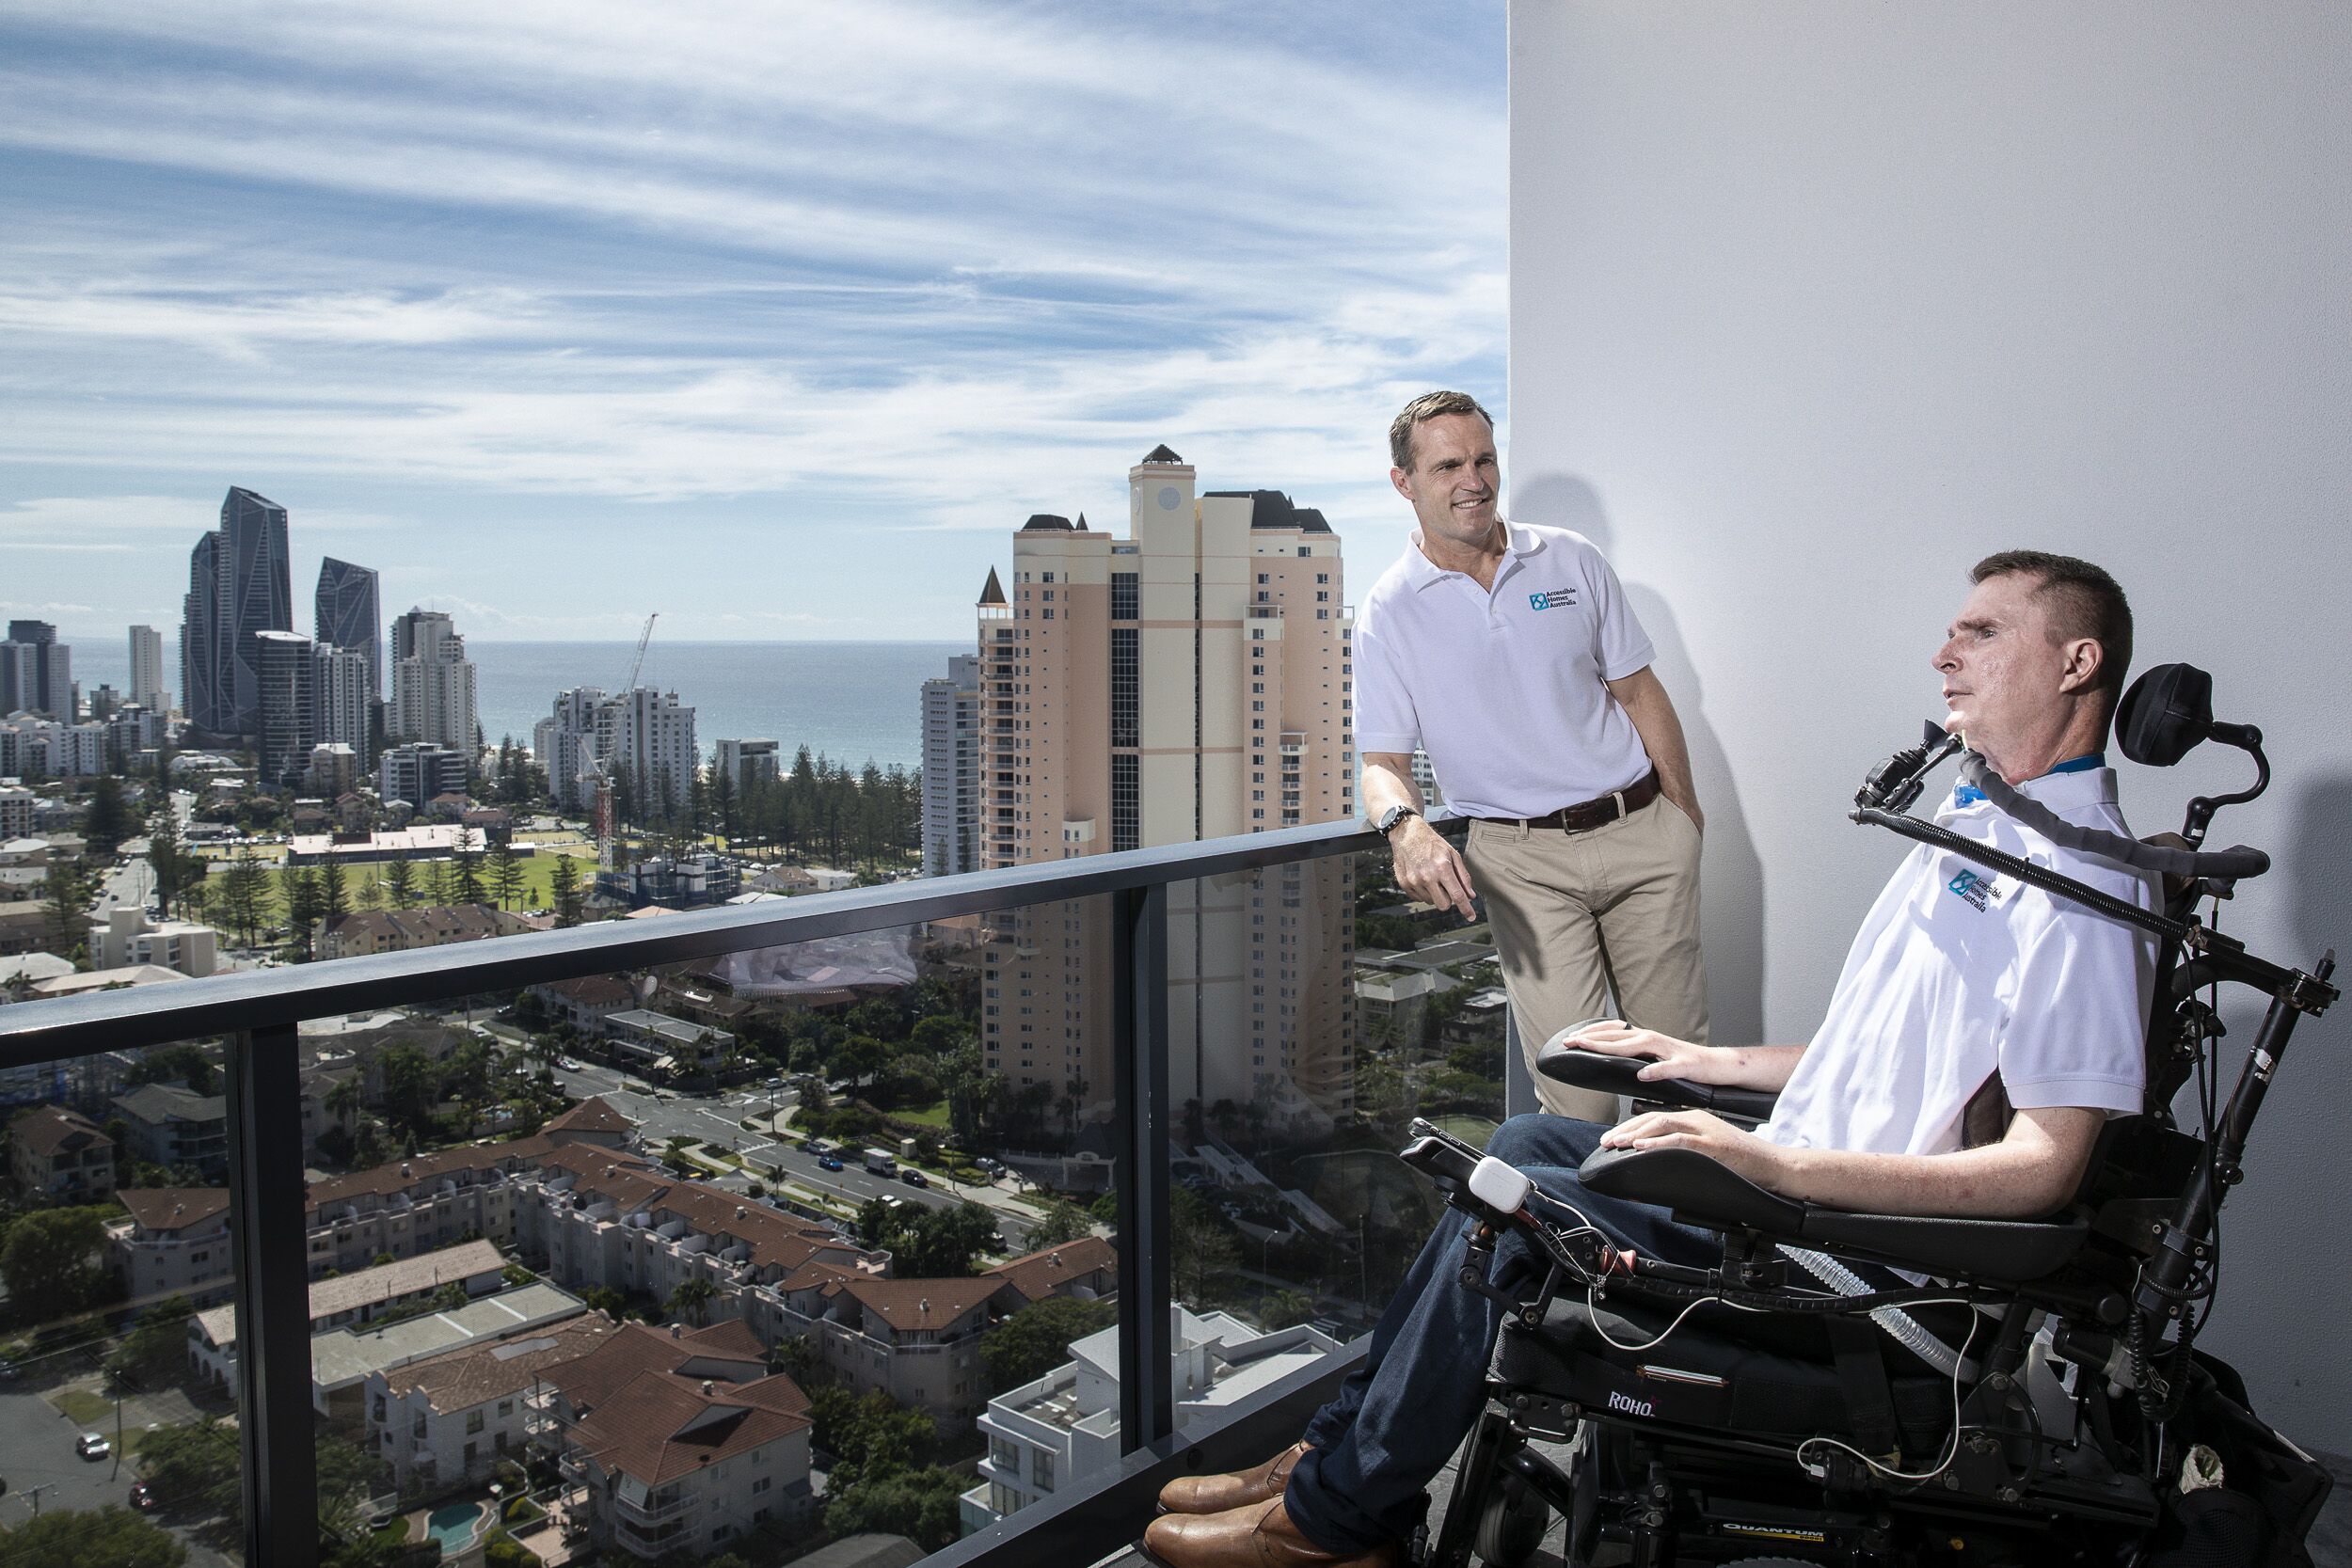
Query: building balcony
{"x": 1018, "y": 911}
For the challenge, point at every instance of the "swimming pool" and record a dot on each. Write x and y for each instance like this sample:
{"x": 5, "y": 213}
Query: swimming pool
{"x": 453, "y": 1525}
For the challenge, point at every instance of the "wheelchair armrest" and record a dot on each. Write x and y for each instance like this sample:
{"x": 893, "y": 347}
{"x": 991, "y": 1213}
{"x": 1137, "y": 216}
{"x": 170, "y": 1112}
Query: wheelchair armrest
{"x": 1592, "y": 1069}
{"x": 1691, "y": 1183}
{"x": 1703, "y": 1190}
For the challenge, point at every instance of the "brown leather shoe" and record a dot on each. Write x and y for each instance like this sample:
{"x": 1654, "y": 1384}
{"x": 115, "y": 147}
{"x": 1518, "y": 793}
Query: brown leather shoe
{"x": 1259, "y": 1535}
{"x": 1216, "y": 1493}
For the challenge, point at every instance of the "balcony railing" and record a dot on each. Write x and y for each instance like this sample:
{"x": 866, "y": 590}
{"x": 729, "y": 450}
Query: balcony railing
{"x": 259, "y": 1013}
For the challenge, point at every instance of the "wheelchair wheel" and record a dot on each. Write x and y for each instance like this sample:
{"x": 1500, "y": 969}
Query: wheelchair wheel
{"x": 1511, "y": 1527}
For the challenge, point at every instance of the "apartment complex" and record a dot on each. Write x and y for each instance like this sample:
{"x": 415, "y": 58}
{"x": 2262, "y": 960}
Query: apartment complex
{"x": 951, "y": 771}
{"x": 747, "y": 764}
{"x": 432, "y": 695}
{"x": 173, "y": 1127}
{"x": 60, "y": 1156}
{"x": 127, "y": 936}
{"x": 1046, "y": 1435}
{"x": 1192, "y": 680}
{"x": 175, "y": 1243}
{"x": 147, "y": 670}
{"x": 36, "y": 672}
{"x": 453, "y": 1416}
{"x": 678, "y": 1442}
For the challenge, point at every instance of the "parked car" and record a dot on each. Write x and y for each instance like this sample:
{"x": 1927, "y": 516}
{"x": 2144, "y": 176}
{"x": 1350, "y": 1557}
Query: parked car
{"x": 143, "y": 1498}
{"x": 993, "y": 1167}
{"x": 93, "y": 1444}
{"x": 10, "y": 1370}
{"x": 913, "y": 1177}
{"x": 828, "y": 1161}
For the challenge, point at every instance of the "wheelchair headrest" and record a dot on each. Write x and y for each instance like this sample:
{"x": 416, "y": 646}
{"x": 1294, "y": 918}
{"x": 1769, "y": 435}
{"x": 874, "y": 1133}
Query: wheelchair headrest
{"x": 2167, "y": 713}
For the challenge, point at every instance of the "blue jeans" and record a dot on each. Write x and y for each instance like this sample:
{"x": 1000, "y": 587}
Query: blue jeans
{"x": 1399, "y": 1416}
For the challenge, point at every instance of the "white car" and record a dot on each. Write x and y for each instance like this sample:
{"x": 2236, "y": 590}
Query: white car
{"x": 567, "y": 1063}
{"x": 93, "y": 1444}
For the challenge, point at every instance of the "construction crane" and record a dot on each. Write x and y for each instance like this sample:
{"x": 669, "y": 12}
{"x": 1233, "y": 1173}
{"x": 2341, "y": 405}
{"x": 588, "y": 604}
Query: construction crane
{"x": 639, "y": 662}
{"x": 601, "y": 809}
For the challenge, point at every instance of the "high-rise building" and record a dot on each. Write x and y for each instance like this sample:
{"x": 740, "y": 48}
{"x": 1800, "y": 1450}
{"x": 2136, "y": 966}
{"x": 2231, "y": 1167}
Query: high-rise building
{"x": 646, "y": 741}
{"x": 747, "y": 764}
{"x": 951, "y": 770}
{"x": 341, "y": 697}
{"x": 419, "y": 771}
{"x": 1190, "y": 681}
{"x": 347, "y": 616}
{"x": 238, "y": 588}
{"x": 566, "y": 744}
{"x": 433, "y": 683}
{"x": 147, "y": 670}
{"x": 36, "y": 672}
{"x": 285, "y": 735}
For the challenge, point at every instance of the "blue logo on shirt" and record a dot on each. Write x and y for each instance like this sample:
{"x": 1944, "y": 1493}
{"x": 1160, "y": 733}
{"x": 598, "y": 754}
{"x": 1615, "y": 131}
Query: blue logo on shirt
{"x": 1976, "y": 890}
{"x": 1551, "y": 598}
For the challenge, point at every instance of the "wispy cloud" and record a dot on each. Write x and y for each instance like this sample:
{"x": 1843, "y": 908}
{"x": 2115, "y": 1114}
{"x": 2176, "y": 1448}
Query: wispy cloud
{"x": 933, "y": 266}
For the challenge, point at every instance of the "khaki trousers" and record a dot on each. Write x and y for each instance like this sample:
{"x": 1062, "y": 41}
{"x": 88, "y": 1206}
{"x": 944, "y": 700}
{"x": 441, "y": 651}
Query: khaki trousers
{"x": 1577, "y": 916}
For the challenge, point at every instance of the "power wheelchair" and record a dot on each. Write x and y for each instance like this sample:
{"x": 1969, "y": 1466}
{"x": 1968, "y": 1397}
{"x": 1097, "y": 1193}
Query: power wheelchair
{"x": 1871, "y": 1390}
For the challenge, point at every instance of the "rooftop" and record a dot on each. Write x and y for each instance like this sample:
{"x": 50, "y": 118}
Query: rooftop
{"x": 163, "y": 1209}
{"x": 463, "y": 1378}
{"x": 51, "y": 1129}
{"x": 342, "y": 1357}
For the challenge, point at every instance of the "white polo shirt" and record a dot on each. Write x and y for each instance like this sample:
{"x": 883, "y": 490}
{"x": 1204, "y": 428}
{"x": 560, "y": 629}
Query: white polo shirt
{"x": 1958, "y": 973}
{"x": 1504, "y": 687}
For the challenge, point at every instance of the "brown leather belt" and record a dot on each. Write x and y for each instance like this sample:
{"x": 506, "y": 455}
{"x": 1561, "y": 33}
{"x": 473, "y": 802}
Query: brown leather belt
{"x": 1587, "y": 815}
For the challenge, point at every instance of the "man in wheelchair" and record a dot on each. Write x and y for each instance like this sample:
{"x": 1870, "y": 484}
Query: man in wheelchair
{"x": 1923, "y": 1290}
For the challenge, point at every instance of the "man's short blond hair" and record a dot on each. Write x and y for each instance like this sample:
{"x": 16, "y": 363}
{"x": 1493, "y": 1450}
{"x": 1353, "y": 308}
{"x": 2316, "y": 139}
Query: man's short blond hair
{"x": 1429, "y": 405}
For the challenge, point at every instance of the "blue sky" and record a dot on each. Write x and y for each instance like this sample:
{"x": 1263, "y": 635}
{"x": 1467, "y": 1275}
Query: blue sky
{"x": 774, "y": 319}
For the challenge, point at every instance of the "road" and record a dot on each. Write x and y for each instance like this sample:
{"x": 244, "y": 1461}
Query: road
{"x": 659, "y": 1120}
{"x": 38, "y": 1461}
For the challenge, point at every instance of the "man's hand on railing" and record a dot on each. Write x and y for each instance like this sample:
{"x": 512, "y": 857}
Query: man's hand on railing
{"x": 1430, "y": 868}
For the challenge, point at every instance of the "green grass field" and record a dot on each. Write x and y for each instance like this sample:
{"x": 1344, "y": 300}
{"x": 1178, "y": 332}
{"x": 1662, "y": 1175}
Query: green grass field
{"x": 537, "y": 891}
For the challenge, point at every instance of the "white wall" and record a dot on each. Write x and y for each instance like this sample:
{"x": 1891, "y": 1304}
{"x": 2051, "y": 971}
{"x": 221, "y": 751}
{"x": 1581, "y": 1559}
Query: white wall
{"x": 1817, "y": 302}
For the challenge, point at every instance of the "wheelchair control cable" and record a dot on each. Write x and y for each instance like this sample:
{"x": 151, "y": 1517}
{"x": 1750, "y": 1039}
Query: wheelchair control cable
{"x": 1951, "y": 1444}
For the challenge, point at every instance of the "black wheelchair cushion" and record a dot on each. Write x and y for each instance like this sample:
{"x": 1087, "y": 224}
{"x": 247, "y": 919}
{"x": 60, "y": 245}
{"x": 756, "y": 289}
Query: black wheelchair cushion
{"x": 1703, "y": 1191}
{"x": 1710, "y": 1373}
{"x": 1593, "y": 1069}
{"x": 1689, "y": 1184}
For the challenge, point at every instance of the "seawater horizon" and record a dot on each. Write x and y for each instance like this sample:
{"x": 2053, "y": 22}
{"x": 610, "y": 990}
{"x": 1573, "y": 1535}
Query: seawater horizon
{"x": 847, "y": 701}
{"x": 851, "y": 701}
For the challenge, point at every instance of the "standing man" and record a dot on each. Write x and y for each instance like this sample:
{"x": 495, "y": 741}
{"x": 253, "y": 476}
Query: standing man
{"x": 1507, "y": 652}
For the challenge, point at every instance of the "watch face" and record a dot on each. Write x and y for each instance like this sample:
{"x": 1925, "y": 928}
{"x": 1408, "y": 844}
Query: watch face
{"x": 1170, "y": 497}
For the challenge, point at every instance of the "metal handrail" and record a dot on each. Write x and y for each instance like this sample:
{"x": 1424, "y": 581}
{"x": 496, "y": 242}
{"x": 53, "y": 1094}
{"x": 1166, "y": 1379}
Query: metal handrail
{"x": 33, "y": 1033}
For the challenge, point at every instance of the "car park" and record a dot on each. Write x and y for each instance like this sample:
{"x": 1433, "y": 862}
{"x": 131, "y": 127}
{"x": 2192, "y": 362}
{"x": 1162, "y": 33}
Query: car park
{"x": 93, "y": 1444}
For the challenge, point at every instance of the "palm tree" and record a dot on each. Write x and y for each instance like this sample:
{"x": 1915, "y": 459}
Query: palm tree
{"x": 345, "y": 1098}
{"x": 692, "y": 1298}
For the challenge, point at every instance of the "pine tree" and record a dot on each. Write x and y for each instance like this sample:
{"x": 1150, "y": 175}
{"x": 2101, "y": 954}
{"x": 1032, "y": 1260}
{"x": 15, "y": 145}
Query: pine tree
{"x": 334, "y": 895}
{"x": 468, "y": 884}
{"x": 564, "y": 880}
{"x": 67, "y": 909}
{"x": 506, "y": 873}
{"x": 306, "y": 906}
{"x": 244, "y": 892}
{"x": 109, "y": 821}
{"x": 400, "y": 881}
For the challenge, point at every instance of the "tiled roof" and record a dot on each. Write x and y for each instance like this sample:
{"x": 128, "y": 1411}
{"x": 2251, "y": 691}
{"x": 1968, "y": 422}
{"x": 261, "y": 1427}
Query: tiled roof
{"x": 1037, "y": 1275}
{"x": 426, "y": 1272}
{"x": 430, "y": 926}
{"x": 594, "y": 990}
{"x": 591, "y": 1381}
{"x": 461, "y": 1379}
{"x": 48, "y": 1129}
{"x": 161, "y": 1102}
{"x": 173, "y": 1207}
{"x": 910, "y": 1305}
{"x": 591, "y": 1114}
{"x": 656, "y": 1423}
{"x": 396, "y": 1176}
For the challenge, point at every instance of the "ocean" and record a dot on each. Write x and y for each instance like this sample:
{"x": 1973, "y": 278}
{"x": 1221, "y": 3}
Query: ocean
{"x": 849, "y": 700}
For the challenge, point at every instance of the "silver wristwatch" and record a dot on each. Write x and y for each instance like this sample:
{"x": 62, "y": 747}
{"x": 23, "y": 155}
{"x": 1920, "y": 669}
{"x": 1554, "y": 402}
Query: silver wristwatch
{"x": 1394, "y": 815}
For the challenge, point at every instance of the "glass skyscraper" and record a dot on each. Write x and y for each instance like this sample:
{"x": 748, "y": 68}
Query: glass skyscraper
{"x": 349, "y": 617}
{"x": 238, "y": 587}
